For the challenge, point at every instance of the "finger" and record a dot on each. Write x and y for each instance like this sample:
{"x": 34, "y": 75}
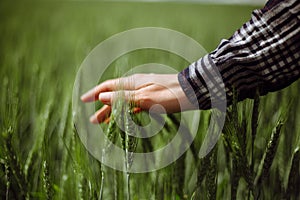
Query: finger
{"x": 101, "y": 115}
{"x": 92, "y": 94}
{"x": 109, "y": 98}
{"x": 125, "y": 83}
{"x": 107, "y": 120}
{"x": 135, "y": 111}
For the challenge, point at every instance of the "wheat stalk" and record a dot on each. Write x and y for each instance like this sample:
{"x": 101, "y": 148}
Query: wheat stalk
{"x": 202, "y": 167}
{"x": 235, "y": 177}
{"x": 180, "y": 175}
{"x": 254, "y": 124}
{"x": 212, "y": 175}
{"x": 294, "y": 174}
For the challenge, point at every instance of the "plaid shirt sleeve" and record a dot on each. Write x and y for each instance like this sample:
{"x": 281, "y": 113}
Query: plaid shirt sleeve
{"x": 262, "y": 56}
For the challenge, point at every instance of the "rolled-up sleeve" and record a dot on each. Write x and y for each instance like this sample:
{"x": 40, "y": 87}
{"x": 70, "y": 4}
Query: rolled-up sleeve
{"x": 262, "y": 56}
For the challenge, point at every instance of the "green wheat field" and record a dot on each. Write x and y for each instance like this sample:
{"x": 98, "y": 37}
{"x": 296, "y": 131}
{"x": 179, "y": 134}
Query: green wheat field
{"x": 43, "y": 43}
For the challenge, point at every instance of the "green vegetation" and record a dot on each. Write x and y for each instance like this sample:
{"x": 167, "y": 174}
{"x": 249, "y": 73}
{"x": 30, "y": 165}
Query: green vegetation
{"x": 41, "y": 155}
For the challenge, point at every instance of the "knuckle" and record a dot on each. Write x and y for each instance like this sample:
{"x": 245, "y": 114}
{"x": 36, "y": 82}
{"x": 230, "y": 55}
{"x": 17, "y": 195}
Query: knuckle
{"x": 108, "y": 83}
{"x": 136, "y": 76}
{"x": 143, "y": 97}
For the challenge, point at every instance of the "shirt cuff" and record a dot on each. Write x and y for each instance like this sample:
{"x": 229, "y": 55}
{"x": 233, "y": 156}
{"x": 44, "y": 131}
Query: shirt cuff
{"x": 203, "y": 85}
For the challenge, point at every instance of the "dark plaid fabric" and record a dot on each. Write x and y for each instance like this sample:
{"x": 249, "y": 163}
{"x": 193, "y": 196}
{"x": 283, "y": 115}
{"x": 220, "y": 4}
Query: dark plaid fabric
{"x": 262, "y": 56}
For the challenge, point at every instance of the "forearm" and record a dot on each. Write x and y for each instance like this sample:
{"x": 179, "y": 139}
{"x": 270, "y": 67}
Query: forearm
{"x": 262, "y": 56}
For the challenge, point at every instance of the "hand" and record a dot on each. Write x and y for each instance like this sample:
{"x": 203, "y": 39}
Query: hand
{"x": 147, "y": 91}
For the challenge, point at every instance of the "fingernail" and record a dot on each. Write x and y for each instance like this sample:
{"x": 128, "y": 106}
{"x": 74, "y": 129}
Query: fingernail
{"x": 85, "y": 96}
{"x": 93, "y": 119}
{"x": 105, "y": 97}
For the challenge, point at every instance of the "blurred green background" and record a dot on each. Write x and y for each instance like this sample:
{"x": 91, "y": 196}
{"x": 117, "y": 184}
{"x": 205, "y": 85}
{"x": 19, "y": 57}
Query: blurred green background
{"x": 43, "y": 44}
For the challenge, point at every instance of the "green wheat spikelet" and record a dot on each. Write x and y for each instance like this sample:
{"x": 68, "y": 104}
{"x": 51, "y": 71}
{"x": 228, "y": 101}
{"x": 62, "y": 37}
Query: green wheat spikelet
{"x": 46, "y": 181}
{"x": 7, "y": 177}
{"x": 111, "y": 133}
{"x": 269, "y": 154}
{"x": 131, "y": 141}
{"x": 234, "y": 134}
{"x": 14, "y": 165}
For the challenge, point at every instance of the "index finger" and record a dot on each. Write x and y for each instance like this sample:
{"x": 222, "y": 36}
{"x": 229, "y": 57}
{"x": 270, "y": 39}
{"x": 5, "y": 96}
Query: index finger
{"x": 124, "y": 83}
{"x": 92, "y": 94}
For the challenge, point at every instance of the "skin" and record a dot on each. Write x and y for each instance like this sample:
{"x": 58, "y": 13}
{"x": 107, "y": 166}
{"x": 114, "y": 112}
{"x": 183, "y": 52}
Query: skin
{"x": 157, "y": 93}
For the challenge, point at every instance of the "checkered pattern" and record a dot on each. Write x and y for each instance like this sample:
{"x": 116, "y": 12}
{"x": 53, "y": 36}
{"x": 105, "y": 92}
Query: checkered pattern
{"x": 262, "y": 56}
